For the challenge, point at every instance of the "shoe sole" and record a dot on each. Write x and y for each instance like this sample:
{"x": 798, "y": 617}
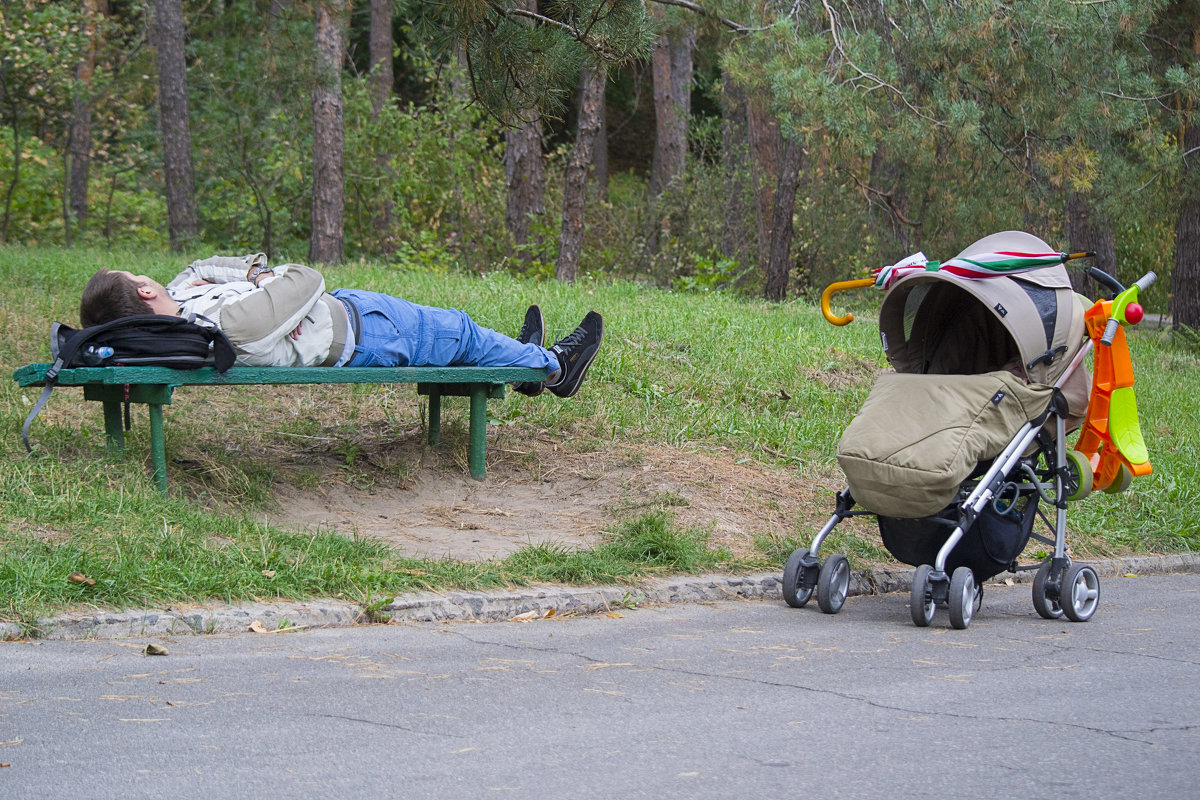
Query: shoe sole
{"x": 541, "y": 326}
{"x": 565, "y": 390}
{"x": 531, "y": 388}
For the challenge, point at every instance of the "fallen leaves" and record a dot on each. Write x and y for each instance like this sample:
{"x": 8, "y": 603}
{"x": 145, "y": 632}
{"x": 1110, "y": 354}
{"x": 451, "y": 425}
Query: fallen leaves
{"x": 284, "y": 627}
{"x": 155, "y": 650}
{"x": 532, "y": 615}
{"x": 81, "y": 579}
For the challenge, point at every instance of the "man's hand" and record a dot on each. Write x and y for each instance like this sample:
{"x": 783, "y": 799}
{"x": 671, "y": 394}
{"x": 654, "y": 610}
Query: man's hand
{"x": 257, "y": 273}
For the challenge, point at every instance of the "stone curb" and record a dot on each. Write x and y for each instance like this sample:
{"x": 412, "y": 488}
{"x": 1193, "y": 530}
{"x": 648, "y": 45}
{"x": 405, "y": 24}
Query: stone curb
{"x": 499, "y": 606}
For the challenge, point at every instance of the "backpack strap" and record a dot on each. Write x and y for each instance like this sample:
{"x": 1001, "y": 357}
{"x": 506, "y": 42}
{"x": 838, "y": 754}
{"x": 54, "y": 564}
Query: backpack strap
{"x": 51, "y": 379}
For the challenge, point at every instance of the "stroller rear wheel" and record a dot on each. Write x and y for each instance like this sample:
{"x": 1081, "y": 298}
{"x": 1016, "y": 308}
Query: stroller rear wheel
{"x": 962, "y": 597}
{"x": 833, "y": 584}
{"x": 921, "y": 599}
{"x": 797, "y": 589}
{"x": 1080, "y": 592}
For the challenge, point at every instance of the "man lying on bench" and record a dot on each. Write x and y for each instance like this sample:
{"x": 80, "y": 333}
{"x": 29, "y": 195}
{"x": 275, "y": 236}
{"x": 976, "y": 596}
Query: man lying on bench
{"x": 282, "y": 316}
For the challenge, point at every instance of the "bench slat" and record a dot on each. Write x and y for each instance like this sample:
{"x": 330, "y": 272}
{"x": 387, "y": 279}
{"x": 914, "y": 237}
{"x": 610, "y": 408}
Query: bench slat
{"x": 35, "y": 374}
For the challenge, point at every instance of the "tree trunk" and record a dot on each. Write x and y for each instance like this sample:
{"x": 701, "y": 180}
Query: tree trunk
{"x": 570, "y": 243}
{"x": 766, "y": 143}
{"x": 524, "y": 178}
{"x": 460, "y": 78}
{"x": 382, "y": 80}
{"x": 671, "y": 69}
{"x": 1185, "y": 275}
{"x": 600, "y": 153}
{"x": 381, "y": 48}
{"x": 16, "y": 173}
{"x": 671, "y": 64}
{"x": 81, "y": 121}
{"x": 1086, "y": 230}
{"x": 327, "y": 243}
{"x": 780, "y": 262}
{"x": 736, "y": 240}
{"x": 182, "y": 220}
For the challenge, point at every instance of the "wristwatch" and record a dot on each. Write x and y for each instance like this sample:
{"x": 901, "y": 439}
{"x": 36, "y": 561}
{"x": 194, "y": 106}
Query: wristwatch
{"x": 254, "y": 272}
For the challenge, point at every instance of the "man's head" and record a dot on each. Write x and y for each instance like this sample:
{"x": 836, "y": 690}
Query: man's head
{"x": 112, "y": 294}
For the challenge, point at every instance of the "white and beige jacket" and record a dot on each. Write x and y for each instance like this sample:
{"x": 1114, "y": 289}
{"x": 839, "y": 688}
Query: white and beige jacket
{"x": 259, "y": 320}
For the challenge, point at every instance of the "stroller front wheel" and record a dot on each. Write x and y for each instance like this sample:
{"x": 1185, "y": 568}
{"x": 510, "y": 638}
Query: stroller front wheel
{"x": 833, "y": 584}
{"x": 962, "y": 597}
{"x": 921, "y": 599}
{"x": 1080, "y": 592}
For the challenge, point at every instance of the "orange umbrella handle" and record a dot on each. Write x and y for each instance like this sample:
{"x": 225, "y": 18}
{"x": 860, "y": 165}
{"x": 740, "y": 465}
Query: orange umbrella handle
{"x": 841, "y": 286}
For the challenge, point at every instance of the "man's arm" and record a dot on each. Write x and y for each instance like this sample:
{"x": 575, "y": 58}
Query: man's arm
{"x": 258, "y": 319}
{"x": 217, "y": 269}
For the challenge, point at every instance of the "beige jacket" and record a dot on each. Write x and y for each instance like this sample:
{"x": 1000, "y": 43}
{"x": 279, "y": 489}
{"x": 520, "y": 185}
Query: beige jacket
{"x": 258, "y": 321}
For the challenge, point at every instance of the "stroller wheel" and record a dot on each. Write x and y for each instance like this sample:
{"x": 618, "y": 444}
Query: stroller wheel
{"x": 1081, "y": 476}
{"x": 795, "y": 593}
{"x": 1121, "y": 482}
{"x": 962, "y": 597}
{"x": 1046, "y": 607}
{"x": 833, "y": 584}
{"x": 921, "y": 600}
{"x": 1080, "y": 592}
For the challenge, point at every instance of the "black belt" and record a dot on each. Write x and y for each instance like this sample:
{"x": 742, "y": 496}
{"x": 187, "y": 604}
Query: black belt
{"x": 355, "y": 316}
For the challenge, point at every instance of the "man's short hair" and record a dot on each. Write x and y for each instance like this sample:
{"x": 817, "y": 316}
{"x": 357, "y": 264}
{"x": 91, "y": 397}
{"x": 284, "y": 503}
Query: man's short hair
{"x": 108, "y": 296}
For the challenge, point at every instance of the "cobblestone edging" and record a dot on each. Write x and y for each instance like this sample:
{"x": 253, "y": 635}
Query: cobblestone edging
{"x": 498, "y": 606}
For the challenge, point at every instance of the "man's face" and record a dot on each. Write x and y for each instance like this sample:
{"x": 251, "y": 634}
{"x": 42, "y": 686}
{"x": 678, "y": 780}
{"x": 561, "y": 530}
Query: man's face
{"x": 152, "y": 292}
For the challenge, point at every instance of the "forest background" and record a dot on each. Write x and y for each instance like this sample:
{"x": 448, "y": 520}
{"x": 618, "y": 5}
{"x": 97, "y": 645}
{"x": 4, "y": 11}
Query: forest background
{"x": 762, "y": 146}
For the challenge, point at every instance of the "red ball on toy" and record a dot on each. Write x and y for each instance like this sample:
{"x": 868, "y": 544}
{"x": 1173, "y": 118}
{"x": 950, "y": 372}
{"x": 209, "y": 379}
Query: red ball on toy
{"x": 1134, "y": 313}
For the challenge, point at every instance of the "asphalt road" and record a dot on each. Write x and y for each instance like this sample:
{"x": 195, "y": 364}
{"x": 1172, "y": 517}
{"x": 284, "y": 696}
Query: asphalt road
{"x": 737, "y": 699}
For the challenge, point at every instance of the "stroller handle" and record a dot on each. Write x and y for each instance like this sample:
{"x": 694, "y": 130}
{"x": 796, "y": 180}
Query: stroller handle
{"x": 841, "y": 286}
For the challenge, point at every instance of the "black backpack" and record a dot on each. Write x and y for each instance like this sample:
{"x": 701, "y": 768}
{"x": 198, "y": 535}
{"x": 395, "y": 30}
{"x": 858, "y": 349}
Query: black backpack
{"x": 149, "y": 340}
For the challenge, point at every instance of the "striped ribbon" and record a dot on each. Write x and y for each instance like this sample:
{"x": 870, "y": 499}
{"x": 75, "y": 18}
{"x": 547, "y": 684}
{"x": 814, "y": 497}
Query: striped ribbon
{"x": 979, "y": 265}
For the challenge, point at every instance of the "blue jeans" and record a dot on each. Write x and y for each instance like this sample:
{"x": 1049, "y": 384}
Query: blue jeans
{"x": 397, "y": 333}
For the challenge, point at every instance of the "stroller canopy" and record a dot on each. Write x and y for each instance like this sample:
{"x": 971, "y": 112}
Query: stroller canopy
{"x": 1029, "y": 323}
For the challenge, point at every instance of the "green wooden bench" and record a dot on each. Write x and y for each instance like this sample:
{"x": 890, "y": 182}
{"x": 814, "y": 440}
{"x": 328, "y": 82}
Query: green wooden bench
{"x": 153, "y": 386}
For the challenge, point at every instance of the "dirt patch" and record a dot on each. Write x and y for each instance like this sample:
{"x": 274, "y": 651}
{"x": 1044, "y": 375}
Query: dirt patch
{"x": 540, "y": 492}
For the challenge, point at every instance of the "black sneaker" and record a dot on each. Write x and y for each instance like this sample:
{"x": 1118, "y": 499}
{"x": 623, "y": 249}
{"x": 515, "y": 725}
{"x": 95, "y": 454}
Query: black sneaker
{"x": 576, "y": 353}
{"x": 533, "y": 331}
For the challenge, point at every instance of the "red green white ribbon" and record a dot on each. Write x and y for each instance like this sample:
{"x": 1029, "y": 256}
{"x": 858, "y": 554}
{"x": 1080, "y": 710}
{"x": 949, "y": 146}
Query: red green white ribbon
{"x": 975, "y": 266}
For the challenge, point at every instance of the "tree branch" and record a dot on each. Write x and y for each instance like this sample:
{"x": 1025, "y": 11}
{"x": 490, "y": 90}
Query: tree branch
{"x": 880, "y": 83}
{"x": 737, "y": 27}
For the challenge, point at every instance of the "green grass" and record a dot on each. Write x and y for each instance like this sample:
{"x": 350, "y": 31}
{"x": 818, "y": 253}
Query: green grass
{"x": 770, "y": 383}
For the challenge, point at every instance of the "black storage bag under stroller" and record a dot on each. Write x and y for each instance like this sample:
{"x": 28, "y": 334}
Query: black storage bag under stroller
{"x": 988, "y": 547}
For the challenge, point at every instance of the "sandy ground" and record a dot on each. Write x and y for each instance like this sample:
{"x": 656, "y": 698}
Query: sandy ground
{"x": 539, "y": 493}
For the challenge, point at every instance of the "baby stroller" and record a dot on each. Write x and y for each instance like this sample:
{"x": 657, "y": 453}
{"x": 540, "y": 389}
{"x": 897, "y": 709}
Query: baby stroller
{"x": 956, "y": 451}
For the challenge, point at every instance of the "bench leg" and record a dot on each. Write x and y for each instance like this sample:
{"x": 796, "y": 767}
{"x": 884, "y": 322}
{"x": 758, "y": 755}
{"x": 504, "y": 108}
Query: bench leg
{"x": 435, "y": 416}
{"x": 158, "y": 448}
{"x": 113, "y": 427}
{"x": 477, "y": 457}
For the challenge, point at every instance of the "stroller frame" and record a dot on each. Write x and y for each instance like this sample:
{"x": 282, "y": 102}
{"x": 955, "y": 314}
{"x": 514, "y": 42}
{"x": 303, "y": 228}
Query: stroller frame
{"x": 1061, "y": 586}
